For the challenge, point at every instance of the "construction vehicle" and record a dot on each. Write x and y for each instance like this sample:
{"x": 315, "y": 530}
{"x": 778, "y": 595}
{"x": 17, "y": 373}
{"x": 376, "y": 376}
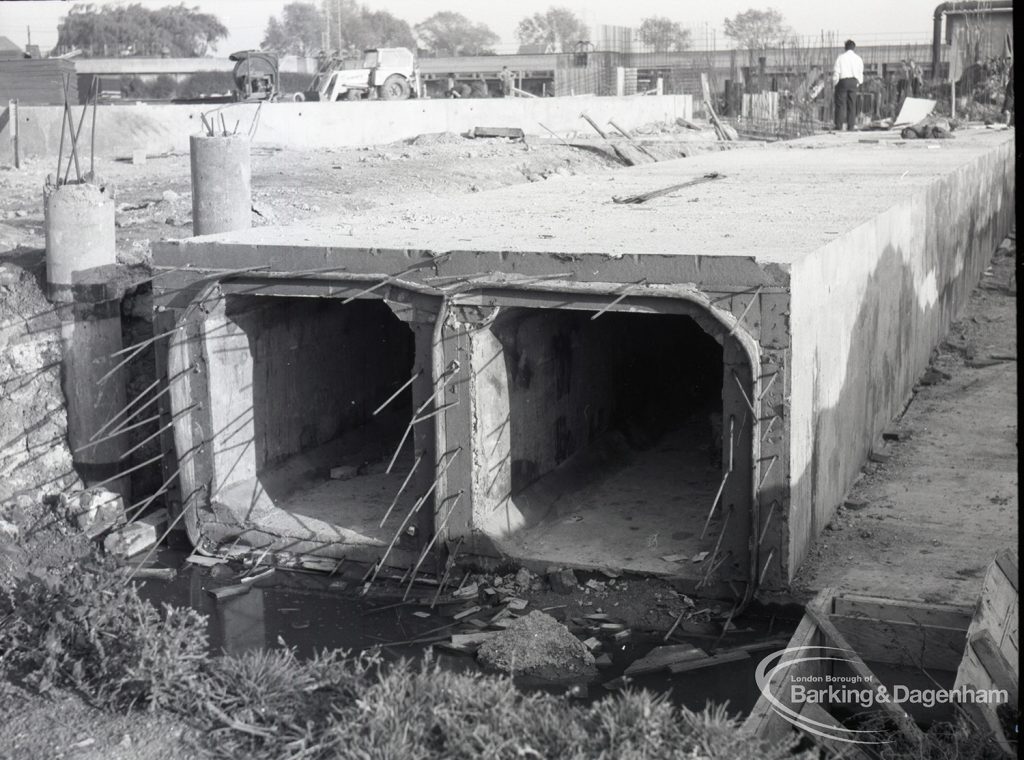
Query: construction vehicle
{"x": 255, "y": 75}
{"x": 386, "y": 74}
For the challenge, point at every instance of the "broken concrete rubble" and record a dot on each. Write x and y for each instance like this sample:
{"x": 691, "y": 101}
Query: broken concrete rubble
{"x": 94, "y": 510}
{"x": 137, "y": 536}
{"x": 562, "y": 580}
{"x": 538, "y": 645}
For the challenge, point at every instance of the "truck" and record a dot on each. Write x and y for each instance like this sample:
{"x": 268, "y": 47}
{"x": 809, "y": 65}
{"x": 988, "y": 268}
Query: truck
{"x": 385, "y": 74}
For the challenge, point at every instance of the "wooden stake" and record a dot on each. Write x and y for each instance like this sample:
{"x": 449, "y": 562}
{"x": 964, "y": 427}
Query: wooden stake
{"x": 92, "y": 133}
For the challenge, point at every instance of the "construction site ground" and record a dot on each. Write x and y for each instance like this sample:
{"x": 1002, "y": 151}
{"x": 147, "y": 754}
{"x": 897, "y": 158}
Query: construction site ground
{"x": 154, "y": 199}
{"x": 924, "y": 522}
{"x": 922, "y": 525}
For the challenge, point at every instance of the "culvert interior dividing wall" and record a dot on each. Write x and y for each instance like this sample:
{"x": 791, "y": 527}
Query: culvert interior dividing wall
{"x": 295, "y": 382}
{"x": 600, "y": 440}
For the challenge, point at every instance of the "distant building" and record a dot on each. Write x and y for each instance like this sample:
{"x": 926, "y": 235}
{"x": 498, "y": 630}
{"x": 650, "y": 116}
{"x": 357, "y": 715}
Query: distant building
{"x": 980, "y": 33}
{"x": 542, "y": 48}
{"x": 615, "y": 39}
{"x": 9, "y": 50}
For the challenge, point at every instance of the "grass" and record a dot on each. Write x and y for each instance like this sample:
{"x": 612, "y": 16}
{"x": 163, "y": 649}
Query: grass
{"x": 92, "y": 633}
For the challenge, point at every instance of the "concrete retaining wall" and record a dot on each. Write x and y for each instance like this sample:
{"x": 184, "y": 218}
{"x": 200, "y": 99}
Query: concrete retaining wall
{"x": 165, "y": 128}
{"x": 866, "y": 312}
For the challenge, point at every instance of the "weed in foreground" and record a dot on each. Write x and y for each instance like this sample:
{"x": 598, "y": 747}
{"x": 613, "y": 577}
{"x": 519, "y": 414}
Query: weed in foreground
{"x": 90, "y": 631}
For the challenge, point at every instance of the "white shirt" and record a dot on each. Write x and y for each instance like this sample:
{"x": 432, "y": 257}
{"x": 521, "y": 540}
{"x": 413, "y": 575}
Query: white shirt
{"x": 849, "y": 64}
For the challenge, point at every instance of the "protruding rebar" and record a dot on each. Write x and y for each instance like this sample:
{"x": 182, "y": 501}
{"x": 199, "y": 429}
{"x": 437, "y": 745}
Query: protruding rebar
{"x": 430, "y": 544}
{"x": 767, "y": 522}
{"x": 768, "y": 385}
{"x": 150, "y": 437}
{"x": 415, "y": 508}
{"x": 718, "y": 545}
{"x": 117, "y": 416}
{"x": 448, "y": 566}
{"x": 115, "y": 434}
{"x": 743, "y": 393}
{"x": 397, "y": 393}
{"x": 398, "y": 495}
{"x": 71, "y": 130}
{"x": 768, "y": 469}
{"x": 619, "y": 299}
{"x": 714, "y": 504}
{"x": 764, "y": 570}
{"x": 739, "y": 319}
{"x": 121, "y": 474}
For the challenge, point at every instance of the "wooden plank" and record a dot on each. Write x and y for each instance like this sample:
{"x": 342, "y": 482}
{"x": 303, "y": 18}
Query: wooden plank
{"x": 896, "y": 643}
{"x": 836, "y": 749}
{"x": 472, "y": 639}
{"x": 225, "y": 592}
{"x": 996, "y": 615}
{"x": 763, "y": 721}
{"x": 1007, "y": 562}
{"x": 856, "y": 664}
{"x": 514, "y": 133}
{"x": 707, "y": 662}
{"x": 894, "y": 610}
{"x": 660, "y": 658}
{"x": 1001, "y": 673}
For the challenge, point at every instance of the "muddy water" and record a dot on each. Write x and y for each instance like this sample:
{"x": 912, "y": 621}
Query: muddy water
{"x": 313, "y": 611}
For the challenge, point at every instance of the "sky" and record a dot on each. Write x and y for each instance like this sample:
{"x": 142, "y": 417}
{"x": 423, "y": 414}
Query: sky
{"x": 868, "y": 20}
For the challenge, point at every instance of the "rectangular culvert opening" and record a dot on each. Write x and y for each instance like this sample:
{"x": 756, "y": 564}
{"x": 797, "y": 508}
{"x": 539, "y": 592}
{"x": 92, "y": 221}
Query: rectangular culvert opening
{"x": 294, "y": 383}
{"x": 598, "y": 441}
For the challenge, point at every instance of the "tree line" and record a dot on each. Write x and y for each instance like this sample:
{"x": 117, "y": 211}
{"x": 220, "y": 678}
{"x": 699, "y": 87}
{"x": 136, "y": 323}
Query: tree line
{"x": 305, "y": 28}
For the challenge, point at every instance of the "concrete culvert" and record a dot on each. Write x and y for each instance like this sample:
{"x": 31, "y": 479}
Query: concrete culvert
{"x": 298, "y": 451}
{"x": 600, "y": 439}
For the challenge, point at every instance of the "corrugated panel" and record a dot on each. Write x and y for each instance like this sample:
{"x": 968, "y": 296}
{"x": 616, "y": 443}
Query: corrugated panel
{"x": 37, "y": 81}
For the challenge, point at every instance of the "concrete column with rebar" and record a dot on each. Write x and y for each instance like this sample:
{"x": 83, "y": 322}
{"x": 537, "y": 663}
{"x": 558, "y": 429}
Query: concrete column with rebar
{"x": 82, "y": 279}
{"x": 221, "y": 183}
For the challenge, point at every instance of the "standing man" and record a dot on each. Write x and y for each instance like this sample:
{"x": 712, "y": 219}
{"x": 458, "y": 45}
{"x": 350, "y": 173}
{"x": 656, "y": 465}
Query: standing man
{"x": 451, "y": 91}
{"x": 847, "y": 75}
{"x": 507, "y": 78}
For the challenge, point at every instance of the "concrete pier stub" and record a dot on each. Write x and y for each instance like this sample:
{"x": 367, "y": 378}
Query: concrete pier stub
{"x": 79, "y": 223}
{"x": 221, "y": 183}
{"x": 82, "y": 277}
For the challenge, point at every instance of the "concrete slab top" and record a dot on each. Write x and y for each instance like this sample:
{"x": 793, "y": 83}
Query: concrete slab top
{"x": 773, "y": 204}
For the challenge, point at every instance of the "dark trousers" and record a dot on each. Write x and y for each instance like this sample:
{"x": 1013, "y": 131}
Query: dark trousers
{"x": 846, "y": 102}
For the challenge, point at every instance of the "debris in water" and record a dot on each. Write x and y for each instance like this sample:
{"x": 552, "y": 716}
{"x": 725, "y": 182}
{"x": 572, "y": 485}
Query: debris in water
{"x": 225, "y": 592}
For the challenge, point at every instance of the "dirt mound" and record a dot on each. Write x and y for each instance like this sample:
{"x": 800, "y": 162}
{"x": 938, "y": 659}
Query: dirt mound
{"x": 437, "y": 138}
{"x": 537, "y": 645}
